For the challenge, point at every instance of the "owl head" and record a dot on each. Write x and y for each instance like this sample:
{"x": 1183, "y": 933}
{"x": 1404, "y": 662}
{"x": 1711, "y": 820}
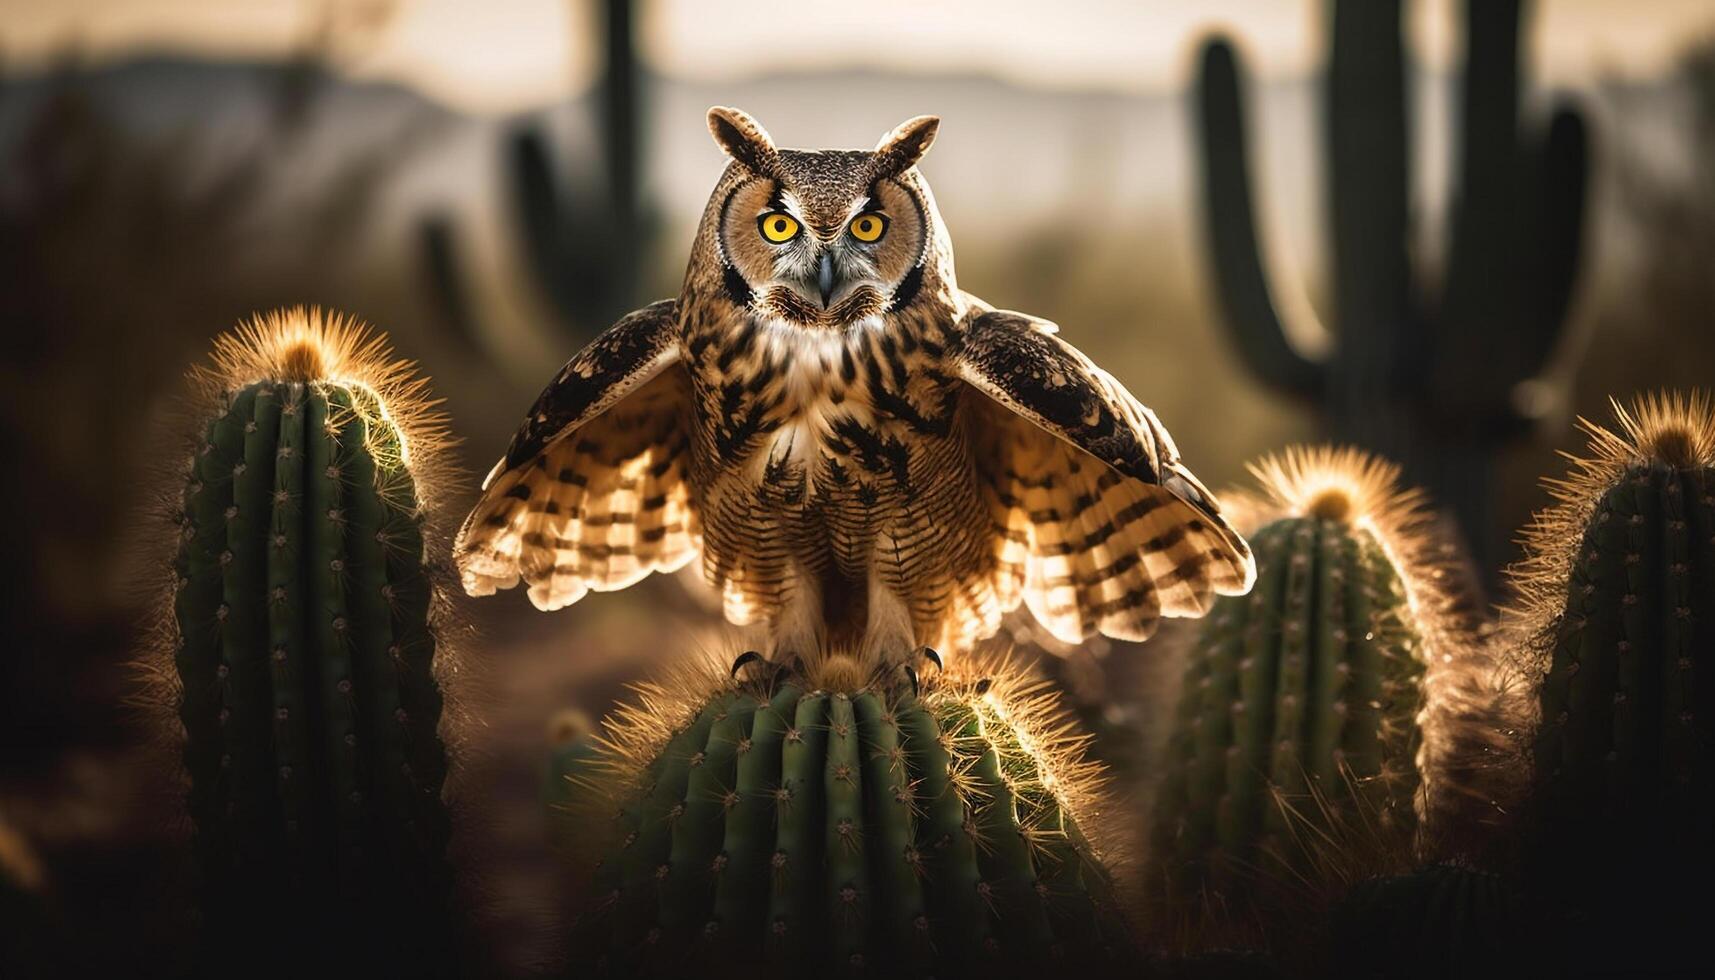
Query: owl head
{"x": 822, "y": 238}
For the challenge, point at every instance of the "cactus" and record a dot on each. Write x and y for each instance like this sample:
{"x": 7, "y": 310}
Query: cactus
{"x": 1619, "y": 603}
{"x": 1298, "y": 744}
{"x": 1443, "y": 921}
{"x": 1433, "y": 384}
{"x": 584, "y": 249}
{"x": 871, "y": 826}
{"x": 305, "y": 646}
{"x": 573, "y": 747}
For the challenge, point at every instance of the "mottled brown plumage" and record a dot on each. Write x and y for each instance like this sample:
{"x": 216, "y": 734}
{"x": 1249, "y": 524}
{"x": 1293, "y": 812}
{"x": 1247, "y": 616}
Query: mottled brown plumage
{"x": 868, "y": 459}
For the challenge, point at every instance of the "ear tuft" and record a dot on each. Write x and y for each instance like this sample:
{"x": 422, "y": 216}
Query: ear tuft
{"x": 899, "y": 150}
{"x": 742, "y": 137}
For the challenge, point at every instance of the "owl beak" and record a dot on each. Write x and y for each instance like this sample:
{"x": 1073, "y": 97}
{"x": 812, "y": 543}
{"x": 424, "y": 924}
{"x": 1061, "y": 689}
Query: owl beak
{"x": 825, "y": 278}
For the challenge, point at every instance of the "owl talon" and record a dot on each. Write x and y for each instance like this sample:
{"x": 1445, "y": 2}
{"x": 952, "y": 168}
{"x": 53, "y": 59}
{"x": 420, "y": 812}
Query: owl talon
{"x": 745, "y": 659}
{"x": 929, "y": 654}
{"x": 911, "y": 672}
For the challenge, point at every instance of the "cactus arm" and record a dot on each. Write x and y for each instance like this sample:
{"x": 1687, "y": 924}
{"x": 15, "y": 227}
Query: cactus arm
{"x": 795, "y": 893}
{"x": 1552, "y": 239}
{"x": 892, "y": 840}
{"x": 742, "y": 889}
{"x": 845, "y": 846}
{"x": 544, "y": 220}
{"x": 448, "y": 292}
{"x": 1242, "y": 286}
{"x": 620, "y": 90}
{"x": 1480, "y": 239}
{"x": 1516, "y": 232}
{"x": 961, "y": 925}
{"x": 1369, "y": 196}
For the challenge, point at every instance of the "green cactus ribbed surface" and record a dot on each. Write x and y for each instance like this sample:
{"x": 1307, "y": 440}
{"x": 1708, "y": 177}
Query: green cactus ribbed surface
{"x": 1436, "y": 922}
{"x": 898, "y": 834}
{"x": 1443, "y": 921}
{"x": 1303, "y": 692}
{"x": 305, "y": 649}
{"x": 1625, "y": 752}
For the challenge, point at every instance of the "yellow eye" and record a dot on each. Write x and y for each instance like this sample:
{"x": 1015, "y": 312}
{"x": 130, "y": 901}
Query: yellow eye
{"x": 869, "y": 227}
{"x": 778, "y": 227}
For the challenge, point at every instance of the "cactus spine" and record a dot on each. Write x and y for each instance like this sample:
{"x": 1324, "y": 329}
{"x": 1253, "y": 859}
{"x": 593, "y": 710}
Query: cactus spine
{"x": 1299, "y": 738}
{"x": 305, "y": 643}
{"x": 875, "y": 829}
{"x": 1620, "y": 603}
{"x": 1433, "y": 386}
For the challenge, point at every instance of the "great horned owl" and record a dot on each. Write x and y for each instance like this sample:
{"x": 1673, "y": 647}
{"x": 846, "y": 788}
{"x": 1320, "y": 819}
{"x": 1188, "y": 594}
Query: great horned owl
{"x": 868, "y": 460}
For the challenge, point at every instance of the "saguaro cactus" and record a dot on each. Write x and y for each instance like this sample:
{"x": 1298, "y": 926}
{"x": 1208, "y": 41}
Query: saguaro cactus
{"x": 877, "y": 828}
{"x": 1299, "y": 735}
{"x": 584, "y": 246}
{"x": 305, "y": 646}
{"x": 1619, "y": 601}
{"x": 1434, "y": 384}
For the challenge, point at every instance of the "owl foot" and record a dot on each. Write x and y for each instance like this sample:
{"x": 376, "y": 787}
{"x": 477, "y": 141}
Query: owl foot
{"x": 772, "y": 669}
{"x": 927, "y": 653}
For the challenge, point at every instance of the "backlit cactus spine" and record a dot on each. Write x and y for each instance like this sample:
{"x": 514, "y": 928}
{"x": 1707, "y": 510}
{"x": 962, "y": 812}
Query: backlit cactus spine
{"x": 1300, "y": 722}
{"x": 1619, "y": 607}
{"x": 878, "y": 829}
{"x": 304, "y": 613}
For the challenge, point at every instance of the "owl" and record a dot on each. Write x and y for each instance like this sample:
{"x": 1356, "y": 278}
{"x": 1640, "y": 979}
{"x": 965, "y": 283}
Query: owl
{"x": 866, "y": 460}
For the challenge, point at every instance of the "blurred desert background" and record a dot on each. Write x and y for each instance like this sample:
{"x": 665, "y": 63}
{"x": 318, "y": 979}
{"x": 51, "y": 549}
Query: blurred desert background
{"x": 491, "y": 184}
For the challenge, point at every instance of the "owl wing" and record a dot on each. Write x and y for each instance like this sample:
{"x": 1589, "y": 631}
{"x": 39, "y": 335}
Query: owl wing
{"x": 592, "y": 492}
{"x": 1098, "y": 525}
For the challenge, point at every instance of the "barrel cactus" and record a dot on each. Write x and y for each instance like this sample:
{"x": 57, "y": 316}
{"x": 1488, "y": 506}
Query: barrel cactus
{"x": 303, "y": 636}
{"x": 797, "y": 821}
{"x": 1618, "y": 608}
{"x": 1299, "y": 741}
{"x": 1435, "y": 923}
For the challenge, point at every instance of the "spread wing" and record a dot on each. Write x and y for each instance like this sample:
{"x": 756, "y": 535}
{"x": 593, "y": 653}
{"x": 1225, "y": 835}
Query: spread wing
{"x": 1098, "y": 525}
{"x": 591, "y": 493}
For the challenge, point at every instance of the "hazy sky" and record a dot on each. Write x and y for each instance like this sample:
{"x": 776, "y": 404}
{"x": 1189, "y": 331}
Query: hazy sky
{"x": 507, "y": 55}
